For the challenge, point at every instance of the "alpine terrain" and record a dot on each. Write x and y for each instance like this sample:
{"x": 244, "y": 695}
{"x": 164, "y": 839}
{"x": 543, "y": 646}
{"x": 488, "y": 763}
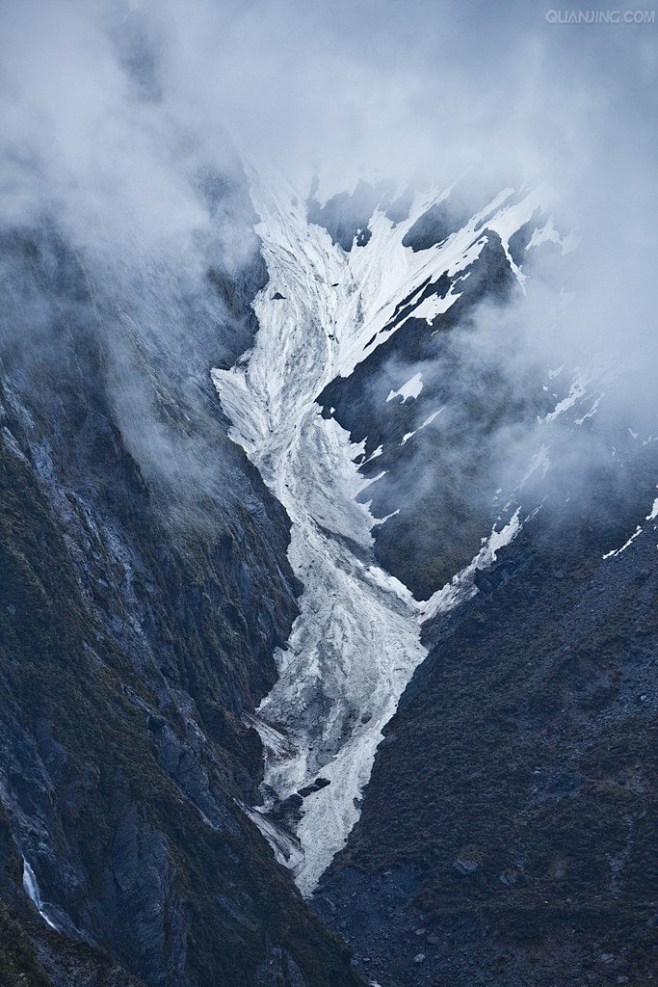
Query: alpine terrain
{"x": 329, "y": 527}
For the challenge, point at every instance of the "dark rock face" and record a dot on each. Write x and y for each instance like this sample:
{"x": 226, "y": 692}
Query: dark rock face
{"x": 436, "y": 225}
{"x": 143, "y": 587}
{"x": 439, "y": 525}
{"x": 510, "y": 817}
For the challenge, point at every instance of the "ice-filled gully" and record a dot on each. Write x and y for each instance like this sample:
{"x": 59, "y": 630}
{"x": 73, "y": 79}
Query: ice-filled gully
{"x": 356, "y": 642}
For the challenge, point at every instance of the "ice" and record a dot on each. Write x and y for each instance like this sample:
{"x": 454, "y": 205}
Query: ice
{"x": 356, "y": 641}
{"x": 653, "y": 514}
{"x": 378, "y": 451}
{"x": 411, "y": 389}
{"x": 627, "y": 544}
{"x": 462, "y": 587}
{"x": 576, "y": 391}
{"x": 383, "y": 520}
{"x": 428, "y": 421}
{"x": 433, "y": 306}
{"x": 592, "y": 411}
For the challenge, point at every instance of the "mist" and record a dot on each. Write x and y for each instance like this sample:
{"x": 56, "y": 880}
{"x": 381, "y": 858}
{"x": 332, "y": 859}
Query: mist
{"x": 139, "y": 231}
{"x": 126, "y": 127}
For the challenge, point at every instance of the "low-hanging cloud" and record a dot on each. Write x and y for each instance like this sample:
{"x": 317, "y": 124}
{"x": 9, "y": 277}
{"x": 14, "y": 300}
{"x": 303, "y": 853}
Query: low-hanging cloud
{"x": 119, "y": 119}
{"x": 137, "y": 223}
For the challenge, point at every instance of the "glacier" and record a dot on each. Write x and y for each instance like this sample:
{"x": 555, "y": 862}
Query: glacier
{"x": 357, "y": 639}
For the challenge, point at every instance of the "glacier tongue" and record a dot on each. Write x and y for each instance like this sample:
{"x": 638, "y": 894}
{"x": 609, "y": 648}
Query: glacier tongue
{"x": 356, "y": 642}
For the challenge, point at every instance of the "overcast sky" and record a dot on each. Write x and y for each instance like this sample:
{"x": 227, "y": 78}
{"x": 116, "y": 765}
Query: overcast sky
{"x": 384, "y": 86}
{"x": 109, "y": 109}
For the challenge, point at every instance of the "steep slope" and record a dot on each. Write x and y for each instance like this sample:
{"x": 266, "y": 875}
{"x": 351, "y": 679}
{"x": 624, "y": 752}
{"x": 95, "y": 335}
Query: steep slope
{"x": 506, "y": 834}
{"x": 166, "y": 600}
{"x": 129, "y": 565}
{"x": 471, "y": 861}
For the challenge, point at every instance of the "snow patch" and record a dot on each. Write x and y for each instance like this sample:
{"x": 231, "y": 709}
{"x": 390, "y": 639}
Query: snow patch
{"x": 653, "y": 514}
{"x": 428, "y": 421}
{"x": 433, "y": 306}
{"x": 411, "y": 389}
{"x": 383, "y": 520}
{"x": 461, "y": 587}
{"x": 618, "y": 551}
{"x": 378, "y": 451}
{"x": 547, "y": 234}
{"x": 592, "y": 411}
{"x": 576, "y": 391}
